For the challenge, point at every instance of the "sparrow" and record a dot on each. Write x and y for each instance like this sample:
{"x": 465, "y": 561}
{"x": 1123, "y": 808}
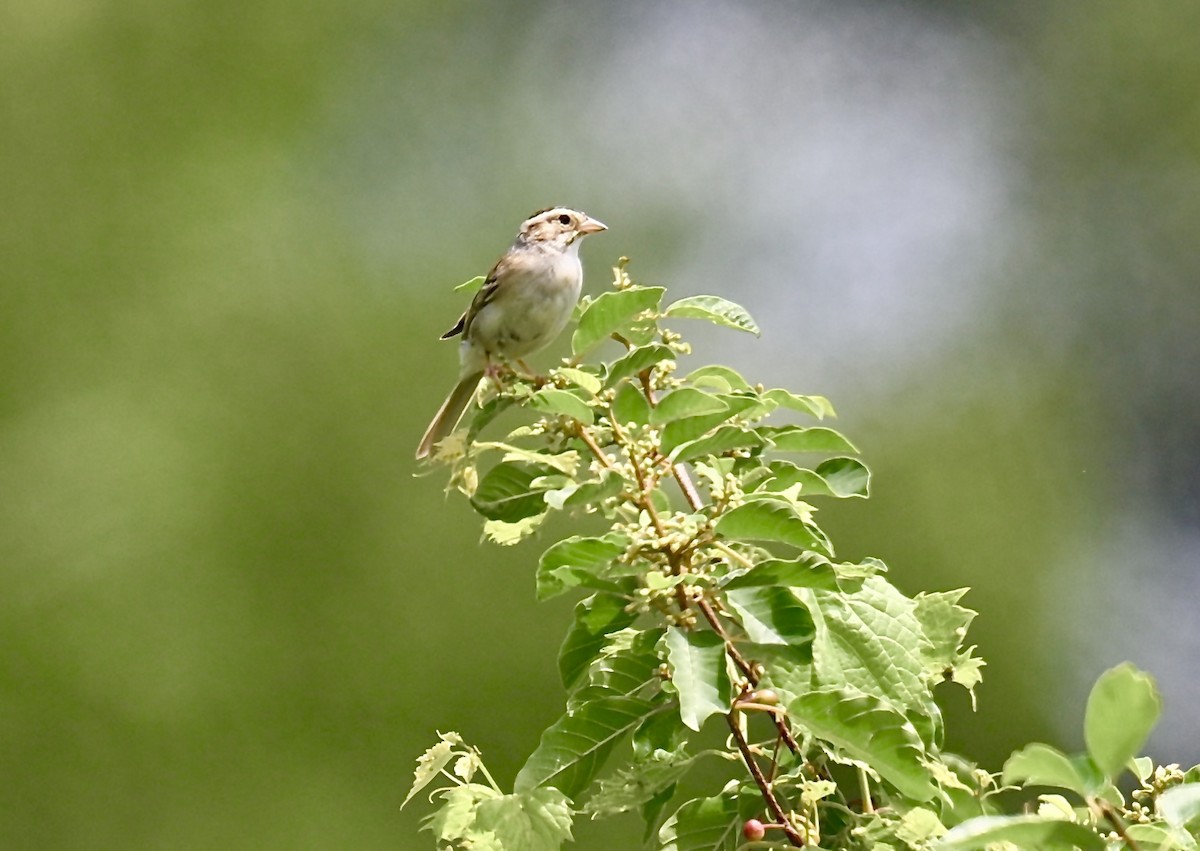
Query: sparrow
{"x": 525, "y": 302}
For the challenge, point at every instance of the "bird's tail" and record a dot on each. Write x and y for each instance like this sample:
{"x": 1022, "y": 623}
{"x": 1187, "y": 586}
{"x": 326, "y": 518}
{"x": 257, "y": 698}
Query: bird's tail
{"x": 450, "y": 413}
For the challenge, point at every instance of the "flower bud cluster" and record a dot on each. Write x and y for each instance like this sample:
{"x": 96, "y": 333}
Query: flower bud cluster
{"x": 727, "y": 492}
{"x": 674, "y": 535}
{"x": 621, "y": 279}
{"x": 1162, "y": 779}
{"x": 675, "y": 342}
{"x": 661, "y": 376}
{"x": 1139, "y": 814}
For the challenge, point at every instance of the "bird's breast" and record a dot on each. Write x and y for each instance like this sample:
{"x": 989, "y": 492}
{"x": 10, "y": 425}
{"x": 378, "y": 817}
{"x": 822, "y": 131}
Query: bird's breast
{"x": 531, "y": 307}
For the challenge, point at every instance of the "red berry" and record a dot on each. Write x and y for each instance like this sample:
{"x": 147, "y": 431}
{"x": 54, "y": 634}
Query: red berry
{"x": 753, "y": 830}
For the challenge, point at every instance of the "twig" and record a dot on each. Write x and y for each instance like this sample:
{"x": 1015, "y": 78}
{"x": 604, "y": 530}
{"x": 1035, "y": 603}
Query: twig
{"x": 590, "y": 442}
{"x": 687, "y": 486}
{"x": 775, "y": 759}
{"x": 1118, "y": 826}
{"x": 764, "y": 787}
{"x": 714, "y": 621}
{"x": 692, "y": 495}
{"x": 644, "y": 500}
{"x": 745, "y": 667}
{"x": 679, "y": 471}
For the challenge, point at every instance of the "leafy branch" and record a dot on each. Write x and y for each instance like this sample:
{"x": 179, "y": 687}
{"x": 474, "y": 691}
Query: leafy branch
{"x": 715, "y": 592}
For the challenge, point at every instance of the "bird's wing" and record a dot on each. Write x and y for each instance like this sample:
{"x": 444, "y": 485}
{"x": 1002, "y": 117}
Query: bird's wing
{"x": 491, "y": 286}
{"x": 485, "y": 294}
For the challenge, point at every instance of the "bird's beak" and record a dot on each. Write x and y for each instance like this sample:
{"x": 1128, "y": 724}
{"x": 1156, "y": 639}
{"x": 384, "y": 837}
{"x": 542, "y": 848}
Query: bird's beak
{"x": 590, "y": 225}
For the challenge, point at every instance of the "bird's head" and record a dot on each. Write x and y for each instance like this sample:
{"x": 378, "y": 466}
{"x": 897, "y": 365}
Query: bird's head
{"x": 558, "y": 226}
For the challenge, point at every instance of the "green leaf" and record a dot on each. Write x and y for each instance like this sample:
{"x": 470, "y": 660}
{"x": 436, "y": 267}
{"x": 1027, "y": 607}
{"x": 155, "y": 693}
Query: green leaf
{"x": 565, "y": 564}
{"x": 508, "y": 534}
{"x": 1042, "y": 765}
{"x": 818, "y": 406}
{"x": 595, "y": 618}
{"x": 536, "y": 820}
{"x": 719, "y": 377}
{"x": 773, "y": 520}
{"x": 661, "y": 731}
{"x": 595, "y": 492}
{"x": 945, "y": 624}
{"x": 691, "y": 428}
{"x": 455, "y": 819}
{"x": 1180, "y": 805}
{"x": 627, "y": 662}
{"x": 708, "y": 824}
{"x": 870, "y": 640}
{"x": 699, "y": 674}
{"x": 630, "y": 406}
{"x": 716, "y": 310}
{"x": 638, "y": 783}
{"x": 652, "y": 812}
{"x": 431, "y": 762}
{"x": 567, "y": 577}
{"x": 490, "y": 410}
{"x": 505, "y": 493}
{"x": 1122, "y": 709}
{"x": 686, "y": 402}
{"x": 869, "y": 731}
{"x": 574, "y": 748}
{"x": 1033, "y": 832}
{"x": 485, "y": 841}
{"x": 789, "y": 669}
{"x": 552, "y": 401}
{"x": 1161, "y": 837}
{"x": 564, "y": 462}
{"x": 772, "y": 615}
{"x": 1142, "y": 768}
{"x": 918, "y": 826}
{"x": 841, "y": 477}
{"x": 636, "y": 360}
{"x": 806, "y": 439}
{"x": 724, "y": 439}
{"x": 807, "y": 571}
{"x": 845, "y": 477}
{"x": 610, "y": 312}
{"x": 592, "y": 492}
{"x": 585, "y": 381}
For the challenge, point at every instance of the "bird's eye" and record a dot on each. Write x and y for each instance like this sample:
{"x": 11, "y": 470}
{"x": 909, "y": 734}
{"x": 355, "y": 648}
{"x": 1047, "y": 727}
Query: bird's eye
{"x": 564, "y": 219}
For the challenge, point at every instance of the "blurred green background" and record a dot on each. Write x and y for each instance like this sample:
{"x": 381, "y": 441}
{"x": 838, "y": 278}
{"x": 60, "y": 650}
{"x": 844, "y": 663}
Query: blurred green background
{"x": 231, "y": 615}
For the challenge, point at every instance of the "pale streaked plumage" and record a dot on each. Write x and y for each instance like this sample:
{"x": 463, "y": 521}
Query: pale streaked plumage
{"x": 523, "y": 305}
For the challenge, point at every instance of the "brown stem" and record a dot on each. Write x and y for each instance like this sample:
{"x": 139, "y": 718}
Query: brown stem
{"x": 590, "y": 442}
{"x": 687, "y": 486}
{"x": 775, "y": 759}
{"x": 764, "y": 787}
{"x": 644, "y": 501}
{"x": 714, "y": 621}
{"x": 1118, "y": 826}
{"x": 746, "y": 668}
{"x": 692, "y": 495}
{"x": 677, "y": 470}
